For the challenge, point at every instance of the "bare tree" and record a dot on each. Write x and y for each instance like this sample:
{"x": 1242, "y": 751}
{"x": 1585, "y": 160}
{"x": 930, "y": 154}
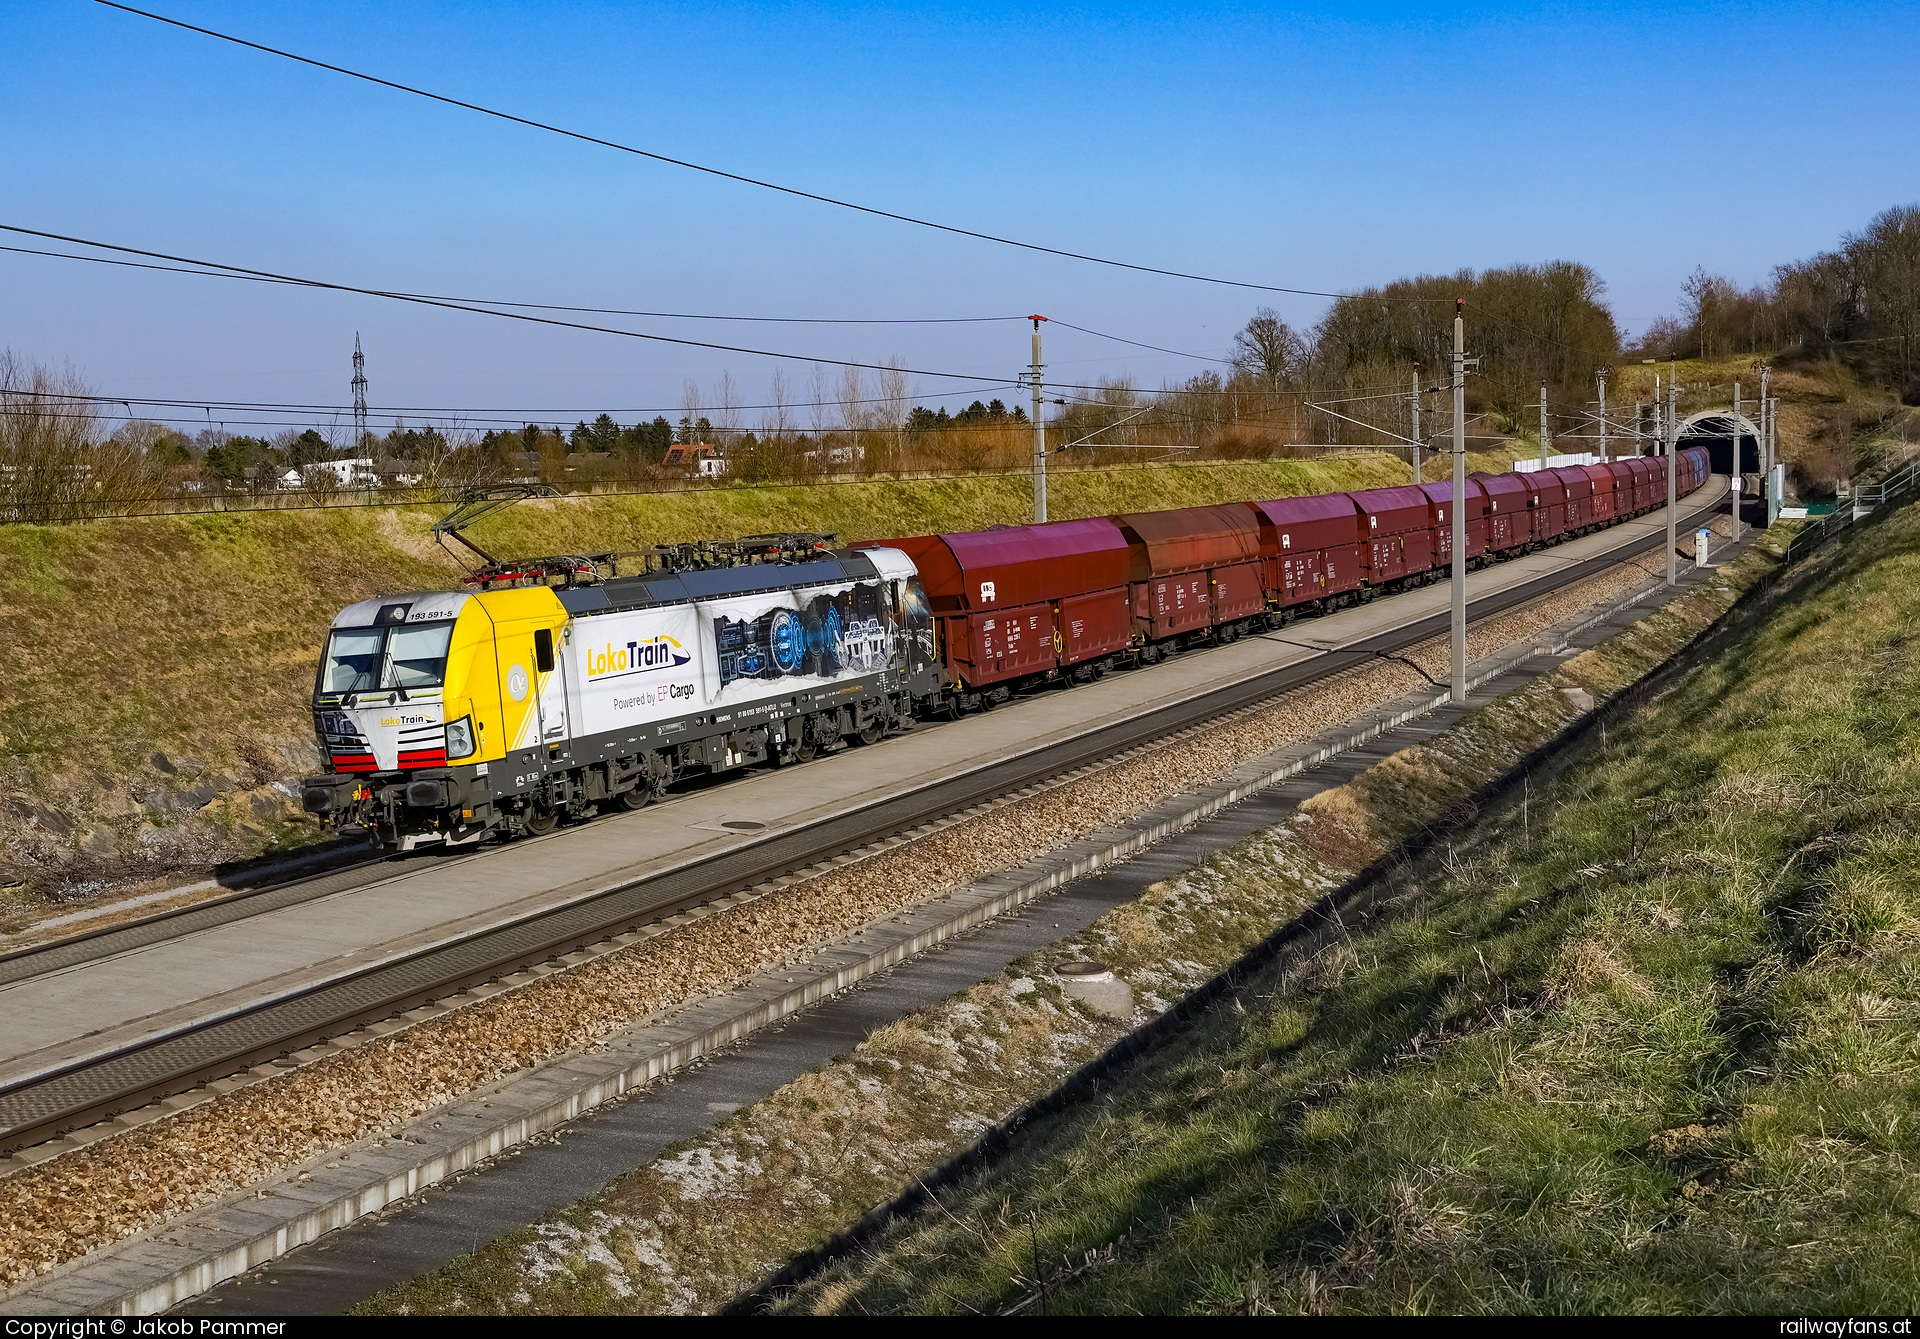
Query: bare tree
{"x": 1268, "y": 350}
{"x": 727, "y": 409}
{"x": 778, "y": 425}
{"x": 53, "y": 467}
{"x": 817, "y": 406}
{"x": 891, "y": 413}
{"x": 853, "y": 416}
{"x": 689, "y": 405}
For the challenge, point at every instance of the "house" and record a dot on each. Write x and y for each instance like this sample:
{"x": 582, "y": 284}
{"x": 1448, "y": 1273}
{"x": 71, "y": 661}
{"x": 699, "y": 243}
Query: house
{"x": 842, "y": 456}
{"x": 355, "y": 472}
{"x": 701, "y": 458}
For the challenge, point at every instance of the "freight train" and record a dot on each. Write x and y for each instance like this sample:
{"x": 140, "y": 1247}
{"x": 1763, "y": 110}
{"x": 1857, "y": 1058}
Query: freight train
{"x": 549, "y": 691}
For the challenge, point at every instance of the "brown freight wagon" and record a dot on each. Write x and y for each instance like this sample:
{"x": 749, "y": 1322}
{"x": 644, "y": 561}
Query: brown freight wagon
{"x": 1651, "y": 488}
{"x": 1312, "y": 547}
{"x": 1440, "y": 499}
{"x": 1606, "y": 505}
{"x": 1638, "y": 484}
{"x": 1024, "y": 599}
{"x": 1547, "y": 500}
{"x": 1399, "y": 533}
{"x": 1579, "y": 495}
{"x": 1192, "y": 568}
{"x": 1509, "y": 511}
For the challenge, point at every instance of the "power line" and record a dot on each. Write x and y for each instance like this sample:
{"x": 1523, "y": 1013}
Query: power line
{"x": 212, "y": 269}
{"x": 1098, "y": 334}
{"x": 449, "y": 304}
{"x": 483, "y": 413}
{"x": 720, "y": 172}
{"x": 545, "y": 306}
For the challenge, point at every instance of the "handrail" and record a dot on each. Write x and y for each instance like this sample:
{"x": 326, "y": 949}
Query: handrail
{"x": 1866, "y": 501}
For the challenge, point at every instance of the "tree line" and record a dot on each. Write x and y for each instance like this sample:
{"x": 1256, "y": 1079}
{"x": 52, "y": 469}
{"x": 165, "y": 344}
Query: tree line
{"x": 1277, "y": 391}
{"x": 1858, "y": 303}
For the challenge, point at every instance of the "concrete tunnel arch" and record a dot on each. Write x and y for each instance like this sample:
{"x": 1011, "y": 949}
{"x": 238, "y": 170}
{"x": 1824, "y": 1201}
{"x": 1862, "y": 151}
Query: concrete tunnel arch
{"x": 1716, "y": 429}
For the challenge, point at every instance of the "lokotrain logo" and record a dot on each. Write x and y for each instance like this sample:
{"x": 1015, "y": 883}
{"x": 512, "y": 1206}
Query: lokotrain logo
{"x": 656, "y": 653}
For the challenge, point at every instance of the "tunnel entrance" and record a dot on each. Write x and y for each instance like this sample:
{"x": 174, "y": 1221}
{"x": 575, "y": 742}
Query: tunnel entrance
{"x": 1717, "y": 429}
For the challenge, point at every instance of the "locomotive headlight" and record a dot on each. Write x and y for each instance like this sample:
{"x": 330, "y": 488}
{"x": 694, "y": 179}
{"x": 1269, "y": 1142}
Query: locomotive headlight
{"x": 460, "y": 738}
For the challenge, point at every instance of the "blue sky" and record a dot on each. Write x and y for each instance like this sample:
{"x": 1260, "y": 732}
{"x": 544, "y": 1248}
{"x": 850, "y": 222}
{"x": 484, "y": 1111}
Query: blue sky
{"x": 1326, "y": 147}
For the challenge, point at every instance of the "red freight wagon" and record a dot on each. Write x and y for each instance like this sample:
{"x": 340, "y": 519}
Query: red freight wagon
{"x": 1605, "y": 506}
{"x": 1641, "y": 470}
{"x": 1312, "y": 546}
{"x": 1440, "y": 497}
{"x": 1238, "y": 592}
{"x": 1623, "y": 494}
{"x": 1547, "y": 499}
{"x": 994, "y": 592}
{"x": 1579, "y": 495}
{"x": 1509, "y": 514}
{"x": 1173, "y": 557}
{"x": 1398, "y": 532}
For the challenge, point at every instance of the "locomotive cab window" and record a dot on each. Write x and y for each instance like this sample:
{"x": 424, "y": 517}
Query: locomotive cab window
{"x": 363, "y": 660}
{"x": 353, "y": 660}
{"x": 417, "y": 655}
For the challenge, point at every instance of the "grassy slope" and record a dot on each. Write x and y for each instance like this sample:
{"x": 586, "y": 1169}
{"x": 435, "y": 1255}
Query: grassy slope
{"x": 1649, "y": 1048}
{"x": 195, "y": 637}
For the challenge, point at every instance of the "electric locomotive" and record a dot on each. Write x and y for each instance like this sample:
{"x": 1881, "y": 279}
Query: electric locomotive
{"x": 444, "y": 716}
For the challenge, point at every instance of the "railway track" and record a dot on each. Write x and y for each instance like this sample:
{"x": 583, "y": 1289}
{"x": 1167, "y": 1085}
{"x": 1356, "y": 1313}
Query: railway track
{"x": 49, "y": 1104}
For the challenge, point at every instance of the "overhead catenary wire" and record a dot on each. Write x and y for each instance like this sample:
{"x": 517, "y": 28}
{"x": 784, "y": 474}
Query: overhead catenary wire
{"x": 189, "y": 265}
{"x": 221, "y": 269}
{"x": 391, "y": 295}
{"x": 1100, "y": 334}
{"x": 477, "y": 414}
{"x": 547, "y": 306}
{"x": 741, "y": 178}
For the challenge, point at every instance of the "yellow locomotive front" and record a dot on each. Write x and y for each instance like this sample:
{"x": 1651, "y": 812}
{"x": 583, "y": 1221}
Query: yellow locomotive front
{"x": 418, "y": 697}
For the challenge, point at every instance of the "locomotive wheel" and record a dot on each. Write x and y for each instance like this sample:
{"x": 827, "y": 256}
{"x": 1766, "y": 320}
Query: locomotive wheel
{"x": 637, "y": 798}
{"x": 872, "y": 732}
{"x": 540, "y": 820}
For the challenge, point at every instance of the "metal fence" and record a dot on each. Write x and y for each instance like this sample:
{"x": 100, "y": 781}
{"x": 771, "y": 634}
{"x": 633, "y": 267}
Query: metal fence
{"x": 1899, "y": 486}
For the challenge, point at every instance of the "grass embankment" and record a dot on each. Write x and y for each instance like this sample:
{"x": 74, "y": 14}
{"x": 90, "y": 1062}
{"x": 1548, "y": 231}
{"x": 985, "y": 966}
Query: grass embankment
{"x": 1643, "y": 1039}
{"x": 155, "y": 672}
